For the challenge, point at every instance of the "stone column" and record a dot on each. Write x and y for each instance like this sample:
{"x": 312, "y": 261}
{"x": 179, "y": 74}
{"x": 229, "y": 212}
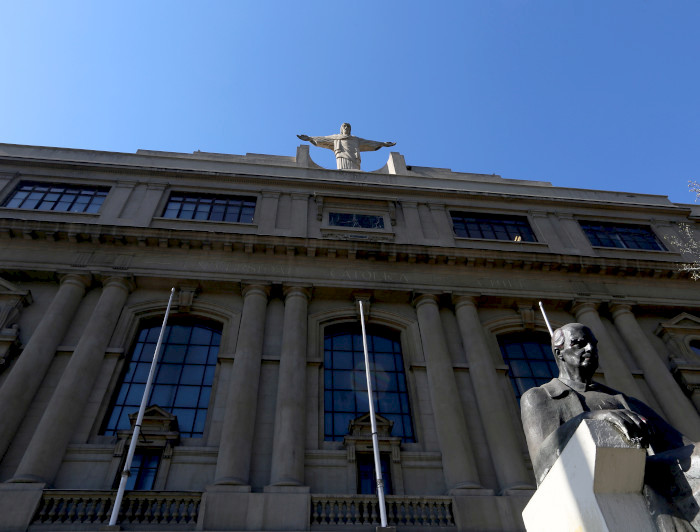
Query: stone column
{"x": 43, "y": 456}
{"x": 233, "y": 463}
{"x": 29, "y": 370}
{"x": 617, "y": 374}
{"x": 290, "y": 413}
{"x": 500, "y": 432}
{"x": 676, "y": 405}
{"x": 457, "y": 456}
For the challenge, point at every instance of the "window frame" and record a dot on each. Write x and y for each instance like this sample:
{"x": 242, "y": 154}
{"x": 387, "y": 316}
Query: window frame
{"x": 527, "y": 337}
{"x": 393, "y": 335}
{"x": 214, "y": 196}
{"x": 98, "y": 190}
{"x": 487, "y": 217}
{"x": 150, "y": 323}
{"x": 620, "y": 225}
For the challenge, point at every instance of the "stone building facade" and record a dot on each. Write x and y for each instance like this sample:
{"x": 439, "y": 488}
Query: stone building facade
{"x": 258, "y": 418}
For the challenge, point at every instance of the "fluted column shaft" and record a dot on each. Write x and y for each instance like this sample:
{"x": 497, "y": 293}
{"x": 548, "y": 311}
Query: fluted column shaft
{"x": 500, "y": 432}
{"x": 235, "y": 447}
{"x": 44, "y": 454}
{"x": 29, "y": 370}
{"x": 290, "y": 413}
{"x": 617, "y": 374}
{"x": 458, "y": 462}
{"x": 675, "y": 404}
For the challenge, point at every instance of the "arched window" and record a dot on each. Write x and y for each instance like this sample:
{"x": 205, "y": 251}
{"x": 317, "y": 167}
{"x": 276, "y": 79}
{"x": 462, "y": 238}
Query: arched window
{"x": 183, "y": 379}
{"x": 345, "y": 388}
{"x": 529, "y": 358}
{"x": 695, "y": 346}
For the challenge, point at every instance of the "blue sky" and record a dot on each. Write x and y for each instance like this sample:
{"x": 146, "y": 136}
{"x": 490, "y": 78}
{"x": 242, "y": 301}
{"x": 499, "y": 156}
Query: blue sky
{"x": 591, "y": 94}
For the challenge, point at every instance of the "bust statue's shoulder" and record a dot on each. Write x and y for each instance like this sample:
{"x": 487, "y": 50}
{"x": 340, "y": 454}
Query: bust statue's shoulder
{"x": 534, "y": 397}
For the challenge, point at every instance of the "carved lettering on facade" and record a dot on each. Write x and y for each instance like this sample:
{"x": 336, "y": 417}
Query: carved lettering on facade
{"x": 368, "y": 275}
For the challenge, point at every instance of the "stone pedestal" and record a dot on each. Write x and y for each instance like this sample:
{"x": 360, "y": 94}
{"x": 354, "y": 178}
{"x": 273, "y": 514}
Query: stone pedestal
{"x": 595, "y": 485}
{"x": 18, "y": 503}
{"x": 230, "y": 508}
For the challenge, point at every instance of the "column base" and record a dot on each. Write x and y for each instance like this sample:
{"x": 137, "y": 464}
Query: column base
{"x": 286, "y": 489}
{"x": 518, "y": 489}
{"x": 233, "y": 483}
{"x": 18, "y": 503}
{"x": 476, "y": 490}
{"x": 229, "y": 508}
{"x": 26, "y": 479}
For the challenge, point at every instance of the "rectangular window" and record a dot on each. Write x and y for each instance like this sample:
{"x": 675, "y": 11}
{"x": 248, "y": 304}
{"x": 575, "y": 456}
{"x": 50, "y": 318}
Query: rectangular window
{"x": 611, "y": 235}
{"x": 492, "y": 227}
{"x": 186, "y": 206}
{"x": 56, "y": 197}
{"x": 366, "y": 477}
{"x": 144, "y": 468}
{"x": 363, "y": 221}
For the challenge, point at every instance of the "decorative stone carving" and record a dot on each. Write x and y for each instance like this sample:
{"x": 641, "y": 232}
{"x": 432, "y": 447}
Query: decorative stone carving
{"x": 346, "y": 147}
{"x": 12, "y": 300}
{"x": 359, "y": 439}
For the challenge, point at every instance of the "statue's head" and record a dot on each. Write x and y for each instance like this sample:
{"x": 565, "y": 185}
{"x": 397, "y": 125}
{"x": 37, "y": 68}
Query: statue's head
{"x": 345, "y": 128}
{"x": 575, "y": 350}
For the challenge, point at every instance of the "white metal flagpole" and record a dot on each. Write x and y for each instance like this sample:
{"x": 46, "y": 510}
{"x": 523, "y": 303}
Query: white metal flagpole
{"x": 139, "y": 419}
{"x": 375, "y": 439}
{"x": 544, "y": 315}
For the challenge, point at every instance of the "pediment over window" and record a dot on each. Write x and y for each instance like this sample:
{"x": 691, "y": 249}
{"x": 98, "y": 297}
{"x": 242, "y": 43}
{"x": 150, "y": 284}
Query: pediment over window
{"x": 158, "y": 426}
{"x": 362, "y": 426}
{"x": 359, "y": 438}
{"x": 683, "y": 322}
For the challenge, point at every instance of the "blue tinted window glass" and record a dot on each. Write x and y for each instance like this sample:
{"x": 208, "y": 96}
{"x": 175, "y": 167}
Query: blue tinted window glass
{"x": 492, "y": 226}
{"x": 345, "y": 383}
{"x": 529, "y": 358}
{"x": 621, "y": 236}
{"x": 30, "y": 195}
{"x": 183, "y": 380}
{"x": 210, "y": 207}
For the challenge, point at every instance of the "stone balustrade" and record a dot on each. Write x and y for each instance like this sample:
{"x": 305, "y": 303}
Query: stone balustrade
{"x": 77, "y": 508}
{"x": 401, "y": 510}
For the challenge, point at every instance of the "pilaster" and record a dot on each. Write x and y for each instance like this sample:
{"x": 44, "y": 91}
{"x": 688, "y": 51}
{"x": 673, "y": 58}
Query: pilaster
{"x": 29, "y": 370}
{"x": 458, "y": 462}
{"x": 290, "y": 412}
{"x": 43, "y": 456}
{"x": 235, "y": 447}
{"x": 500, "y": 432}
{"x": 617, "y": 374}
{"x": 675, "y": 404}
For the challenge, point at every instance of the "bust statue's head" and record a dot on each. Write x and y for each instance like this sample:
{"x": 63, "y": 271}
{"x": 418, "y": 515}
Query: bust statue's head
{"x": 575, "y": 350}
{"x": 345, "y": 128}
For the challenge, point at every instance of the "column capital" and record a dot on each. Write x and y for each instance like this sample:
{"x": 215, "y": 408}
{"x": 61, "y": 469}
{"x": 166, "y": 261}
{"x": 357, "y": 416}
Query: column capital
{"x": 259, "y": 289}
{"x": 582, "y": 306}
{"x": 79, "y": 279}
{"x": 427, "y": 298}
{"x": 462, "y": 299}
{"x": 296, "y": 291}
{"x": 621, "y": 307}
{"x": 121, "y": 281}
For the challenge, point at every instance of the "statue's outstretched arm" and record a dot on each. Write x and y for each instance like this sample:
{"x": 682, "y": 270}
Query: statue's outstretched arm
{"x": 373, "y": 145}
{"x": 321, "y": 142}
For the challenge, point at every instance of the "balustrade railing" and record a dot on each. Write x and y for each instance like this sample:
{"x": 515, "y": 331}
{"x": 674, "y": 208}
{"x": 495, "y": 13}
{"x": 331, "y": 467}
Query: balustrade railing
{"x": 64, "y": 507}
{"x": 363, "y": 510}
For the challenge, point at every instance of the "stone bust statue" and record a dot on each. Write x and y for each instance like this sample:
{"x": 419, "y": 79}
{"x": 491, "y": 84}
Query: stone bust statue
{"x": 551, "y": 413}
{"x": 346, "y": 147}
